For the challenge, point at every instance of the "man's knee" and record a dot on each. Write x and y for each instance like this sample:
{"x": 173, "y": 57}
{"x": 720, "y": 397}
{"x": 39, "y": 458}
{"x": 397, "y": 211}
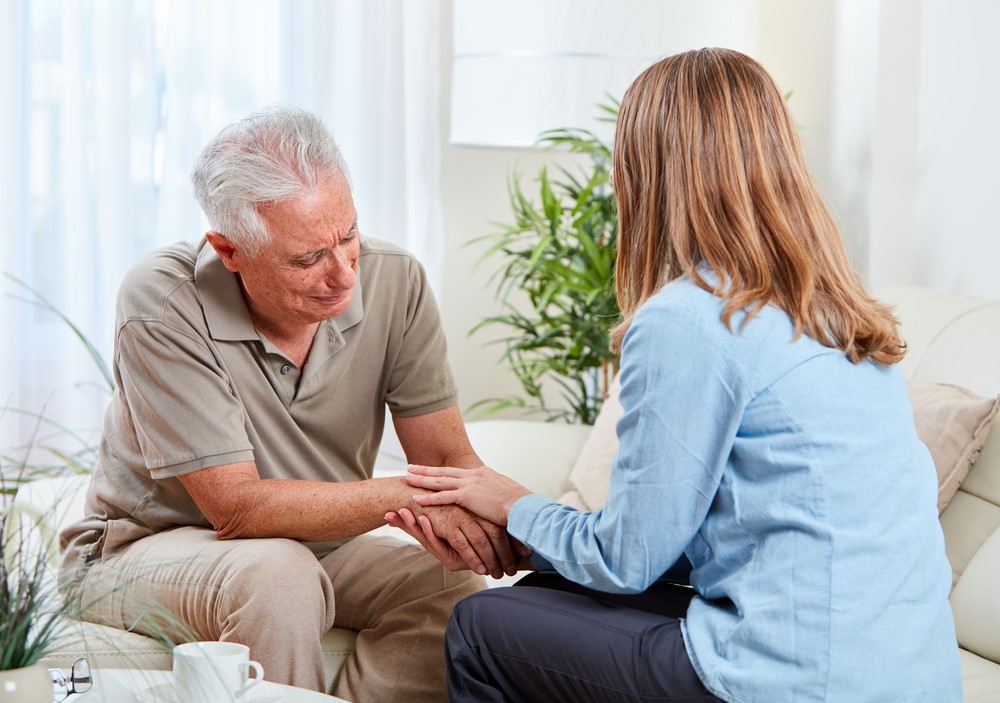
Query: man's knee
{"x": 420, "y": 573}
{"x": 279, "y": 581}
{"x": 437, "y": 579}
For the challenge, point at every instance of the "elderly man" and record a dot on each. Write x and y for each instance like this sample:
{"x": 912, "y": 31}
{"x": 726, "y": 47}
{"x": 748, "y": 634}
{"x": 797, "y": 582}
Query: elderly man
{"x": 253, "y": 368}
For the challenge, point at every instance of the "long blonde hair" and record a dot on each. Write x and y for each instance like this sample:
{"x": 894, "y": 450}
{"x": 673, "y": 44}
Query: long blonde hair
{"x": 708, "y": 169}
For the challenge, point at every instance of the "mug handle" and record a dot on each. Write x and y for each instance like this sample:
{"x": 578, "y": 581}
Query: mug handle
{"x": 258, "y": 672}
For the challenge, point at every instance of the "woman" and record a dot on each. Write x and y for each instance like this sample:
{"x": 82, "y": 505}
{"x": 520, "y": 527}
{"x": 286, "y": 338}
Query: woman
{"x": 767, "y": 437}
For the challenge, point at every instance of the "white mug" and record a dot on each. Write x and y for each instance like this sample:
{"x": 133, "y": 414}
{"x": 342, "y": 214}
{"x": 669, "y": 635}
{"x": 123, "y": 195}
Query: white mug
{"x": 214, "y": 672}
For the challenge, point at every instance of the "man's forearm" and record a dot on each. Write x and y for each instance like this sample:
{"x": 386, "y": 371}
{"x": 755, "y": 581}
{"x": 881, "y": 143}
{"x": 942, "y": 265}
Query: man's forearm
{"x": 466, "y": 460}
{"x": 310, "y": 511}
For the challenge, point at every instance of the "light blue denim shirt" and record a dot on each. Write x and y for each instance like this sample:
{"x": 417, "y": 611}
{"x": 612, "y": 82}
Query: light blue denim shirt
{"x": 795, "y": 483}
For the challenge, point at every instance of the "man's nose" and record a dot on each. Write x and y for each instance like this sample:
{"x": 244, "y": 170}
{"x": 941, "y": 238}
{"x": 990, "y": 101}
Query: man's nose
{"x": 340, "y": 271}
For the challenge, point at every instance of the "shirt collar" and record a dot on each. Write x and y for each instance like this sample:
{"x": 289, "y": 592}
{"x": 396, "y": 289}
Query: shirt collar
{"x": 225, "y": 308}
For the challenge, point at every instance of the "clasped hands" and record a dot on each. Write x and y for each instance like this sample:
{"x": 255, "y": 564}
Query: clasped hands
{"x": 460, "y": 516}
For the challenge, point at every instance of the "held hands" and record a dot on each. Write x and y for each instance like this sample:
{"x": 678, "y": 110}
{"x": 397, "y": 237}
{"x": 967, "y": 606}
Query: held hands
{"x": 457, "y": 537}
{"x": 421, "y": 528}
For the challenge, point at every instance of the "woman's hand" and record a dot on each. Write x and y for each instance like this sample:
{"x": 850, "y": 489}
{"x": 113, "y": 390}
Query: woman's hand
{"x": 482, "y": 491}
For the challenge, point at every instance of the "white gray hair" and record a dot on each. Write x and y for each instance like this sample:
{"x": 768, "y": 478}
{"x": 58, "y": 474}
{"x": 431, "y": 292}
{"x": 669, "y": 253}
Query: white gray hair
{"x": 263, "y": 159}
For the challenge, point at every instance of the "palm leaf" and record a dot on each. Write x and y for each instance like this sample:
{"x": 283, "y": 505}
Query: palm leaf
{"x": 558, "y": 251}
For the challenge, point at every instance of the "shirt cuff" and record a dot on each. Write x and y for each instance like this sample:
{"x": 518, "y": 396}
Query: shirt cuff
{"x": 523, "y": 514}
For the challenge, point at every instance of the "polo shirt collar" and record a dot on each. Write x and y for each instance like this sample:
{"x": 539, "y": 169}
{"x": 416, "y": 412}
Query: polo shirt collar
{"x": 355, "y": 310}
{"x": 226, "y": 311}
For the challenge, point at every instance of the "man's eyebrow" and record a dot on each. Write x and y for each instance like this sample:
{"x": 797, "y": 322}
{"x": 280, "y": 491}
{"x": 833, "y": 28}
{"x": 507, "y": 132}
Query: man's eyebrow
{"x": 310, "y": 254}
{"x": 320, "y": 252}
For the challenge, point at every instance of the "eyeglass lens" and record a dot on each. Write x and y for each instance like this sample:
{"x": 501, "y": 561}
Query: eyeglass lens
{"x": 78, "y": 681}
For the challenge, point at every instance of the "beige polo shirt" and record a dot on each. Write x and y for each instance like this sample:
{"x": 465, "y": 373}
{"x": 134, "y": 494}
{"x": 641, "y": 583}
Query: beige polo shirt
{"x": 198, "y": 386}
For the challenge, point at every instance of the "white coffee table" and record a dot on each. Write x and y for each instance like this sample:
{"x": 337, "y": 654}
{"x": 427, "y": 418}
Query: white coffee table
{"x": 124, "y": 685}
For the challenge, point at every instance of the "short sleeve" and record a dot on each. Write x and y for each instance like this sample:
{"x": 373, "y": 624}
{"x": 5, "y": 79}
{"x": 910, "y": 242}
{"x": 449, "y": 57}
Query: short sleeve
{"x": 420, "y": 380}
{"x": 184, "y": 414}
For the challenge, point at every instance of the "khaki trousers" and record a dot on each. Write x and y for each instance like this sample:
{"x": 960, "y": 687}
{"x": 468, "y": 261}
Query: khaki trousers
{"x": 278, "y": 598}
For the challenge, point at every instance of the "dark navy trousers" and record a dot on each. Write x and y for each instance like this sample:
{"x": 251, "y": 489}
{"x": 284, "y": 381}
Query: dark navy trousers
{"x": 550, "y": 640}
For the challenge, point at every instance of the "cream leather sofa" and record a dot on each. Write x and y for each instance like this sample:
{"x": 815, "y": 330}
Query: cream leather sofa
{"x": 953, "y": 339}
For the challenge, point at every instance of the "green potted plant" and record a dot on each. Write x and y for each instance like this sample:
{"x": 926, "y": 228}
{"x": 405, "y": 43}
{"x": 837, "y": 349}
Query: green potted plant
{"x": 30, "y": 609}
{"x": 560, "y": 252}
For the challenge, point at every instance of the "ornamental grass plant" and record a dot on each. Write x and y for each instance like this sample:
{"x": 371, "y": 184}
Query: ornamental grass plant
{"x": 30, "y": 608}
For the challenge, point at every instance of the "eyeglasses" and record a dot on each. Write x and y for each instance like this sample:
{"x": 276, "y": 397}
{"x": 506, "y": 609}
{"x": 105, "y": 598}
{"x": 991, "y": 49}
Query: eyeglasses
{"x": 79, "y": 680}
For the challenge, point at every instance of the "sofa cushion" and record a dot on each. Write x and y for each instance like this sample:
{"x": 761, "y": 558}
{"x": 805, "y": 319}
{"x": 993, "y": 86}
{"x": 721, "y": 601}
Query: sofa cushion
{"x": 980, "y": 678}
{"x": 974, "y": 602}
{"x": 974, "y": 513}
{"x": 953, "y": 338}
{"x": 535, "y": 454}
{"x": 953, "y": 422}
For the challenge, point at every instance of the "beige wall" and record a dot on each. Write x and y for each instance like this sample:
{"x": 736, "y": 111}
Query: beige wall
{"x": 475, "y": 196}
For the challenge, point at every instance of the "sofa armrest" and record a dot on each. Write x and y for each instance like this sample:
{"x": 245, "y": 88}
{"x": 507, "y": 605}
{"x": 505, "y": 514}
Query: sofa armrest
{"x": 538, "y": 455}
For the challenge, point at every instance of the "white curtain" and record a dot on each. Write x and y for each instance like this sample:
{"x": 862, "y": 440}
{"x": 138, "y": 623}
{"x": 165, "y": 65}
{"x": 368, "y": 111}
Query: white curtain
{"x": 107, "y": 103}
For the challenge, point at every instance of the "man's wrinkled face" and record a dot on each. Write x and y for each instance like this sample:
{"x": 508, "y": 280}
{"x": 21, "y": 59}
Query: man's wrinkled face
{"x": 307, "y": 272}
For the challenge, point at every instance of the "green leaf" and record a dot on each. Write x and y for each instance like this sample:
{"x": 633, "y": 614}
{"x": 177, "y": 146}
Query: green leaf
{"x": 558, "y": 251}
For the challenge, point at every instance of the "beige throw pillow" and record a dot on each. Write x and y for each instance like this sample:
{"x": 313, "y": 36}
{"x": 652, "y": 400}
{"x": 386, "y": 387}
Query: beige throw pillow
{"x": 953, "y": 422}
{"x": 591, "y": 474}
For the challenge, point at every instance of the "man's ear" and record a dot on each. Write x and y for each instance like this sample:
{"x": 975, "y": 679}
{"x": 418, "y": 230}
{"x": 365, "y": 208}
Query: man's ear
{"x": 226, "y": 250}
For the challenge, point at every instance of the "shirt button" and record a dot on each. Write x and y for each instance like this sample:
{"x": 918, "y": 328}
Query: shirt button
{"x": 285, "y": 369}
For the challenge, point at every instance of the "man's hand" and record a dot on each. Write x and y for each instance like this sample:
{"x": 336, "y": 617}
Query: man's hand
{"x": 422, "y": 531}
{"x": 484, "y": 546}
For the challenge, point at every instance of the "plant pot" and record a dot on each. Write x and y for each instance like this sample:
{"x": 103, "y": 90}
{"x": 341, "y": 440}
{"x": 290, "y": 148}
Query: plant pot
{"x": 31, "y": 684}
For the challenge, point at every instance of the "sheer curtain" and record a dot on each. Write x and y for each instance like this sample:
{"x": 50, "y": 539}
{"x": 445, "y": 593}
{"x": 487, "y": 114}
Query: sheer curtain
{"x": 107, "y": 104}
